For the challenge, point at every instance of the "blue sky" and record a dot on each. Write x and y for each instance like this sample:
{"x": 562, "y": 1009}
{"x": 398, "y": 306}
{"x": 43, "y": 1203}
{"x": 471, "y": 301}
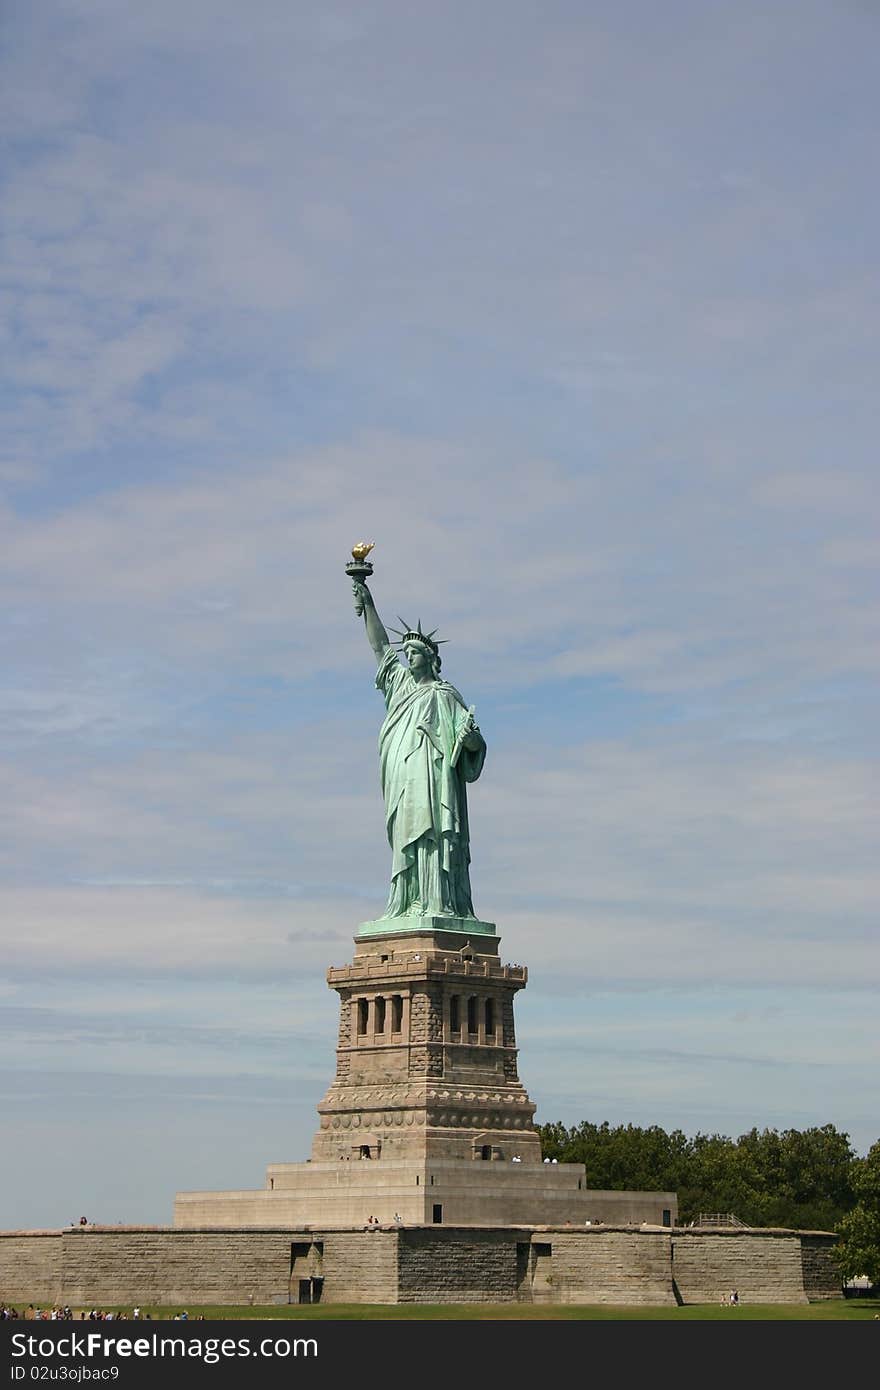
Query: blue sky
{"x": 573, "y": 309}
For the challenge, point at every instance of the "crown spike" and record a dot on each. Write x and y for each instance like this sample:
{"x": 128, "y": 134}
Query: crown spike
{"x": 416, "y": 634}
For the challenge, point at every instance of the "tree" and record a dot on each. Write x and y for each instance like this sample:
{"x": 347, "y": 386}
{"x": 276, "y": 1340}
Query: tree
{"x": 859, "y": 1250}
{"x": 801, "y": 1179}
{"x": 623, "y": 1157}
{"x": 718, "y": 1180}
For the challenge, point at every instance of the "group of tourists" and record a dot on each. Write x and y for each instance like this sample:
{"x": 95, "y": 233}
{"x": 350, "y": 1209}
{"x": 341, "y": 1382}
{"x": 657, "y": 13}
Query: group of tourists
{"x": 54, "y": 1314}
{"x": 373, "y": 1223}
{"x": 66, "y": 1314}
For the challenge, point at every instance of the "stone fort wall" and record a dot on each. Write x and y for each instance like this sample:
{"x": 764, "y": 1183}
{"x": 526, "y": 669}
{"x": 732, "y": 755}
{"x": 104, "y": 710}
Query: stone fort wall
{"x": 110, "y": 1265}
{"x": 31, "y": 1266}
{"x": 766, "y": 1268}
{"x": 459, "y": 1265}
{"x": 414, "y": 1264}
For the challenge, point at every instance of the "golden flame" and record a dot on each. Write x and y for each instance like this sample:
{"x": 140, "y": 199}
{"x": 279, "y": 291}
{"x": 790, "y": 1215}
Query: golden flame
{"x": 362, "y": 549}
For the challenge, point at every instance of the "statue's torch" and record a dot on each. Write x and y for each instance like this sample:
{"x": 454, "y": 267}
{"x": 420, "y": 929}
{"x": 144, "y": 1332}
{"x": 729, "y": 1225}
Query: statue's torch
{"x": 359, "y": 568}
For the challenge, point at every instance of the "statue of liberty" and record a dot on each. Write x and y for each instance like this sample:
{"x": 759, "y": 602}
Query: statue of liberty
{"x": 429, "y": 749}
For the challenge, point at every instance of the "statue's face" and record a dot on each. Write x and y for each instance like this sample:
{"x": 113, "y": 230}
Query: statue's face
{"x": 417, "y": 658}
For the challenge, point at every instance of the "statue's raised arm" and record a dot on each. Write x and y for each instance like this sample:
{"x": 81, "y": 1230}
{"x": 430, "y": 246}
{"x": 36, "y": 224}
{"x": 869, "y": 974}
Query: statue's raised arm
{"x": 359, "y": 569}
{"x": 429, "y": 749}
{"x": 376, "y": 634}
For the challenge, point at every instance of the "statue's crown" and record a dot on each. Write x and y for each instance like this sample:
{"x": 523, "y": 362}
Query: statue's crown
{"x": 415, "y": 634}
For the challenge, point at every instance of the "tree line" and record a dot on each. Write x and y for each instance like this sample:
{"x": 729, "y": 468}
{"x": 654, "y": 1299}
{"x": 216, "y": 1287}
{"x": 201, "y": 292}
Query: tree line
{"x": 808, "y": 1179}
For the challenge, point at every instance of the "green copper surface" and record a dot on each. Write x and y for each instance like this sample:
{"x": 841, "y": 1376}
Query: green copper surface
{"x": 429, "y": 750}
{"x": 468, "y": 926}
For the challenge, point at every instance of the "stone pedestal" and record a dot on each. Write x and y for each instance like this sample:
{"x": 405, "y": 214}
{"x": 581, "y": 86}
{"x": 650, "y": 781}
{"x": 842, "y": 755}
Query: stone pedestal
{"x": 426, "y": 1121}
{"x": 426, "y": 1063}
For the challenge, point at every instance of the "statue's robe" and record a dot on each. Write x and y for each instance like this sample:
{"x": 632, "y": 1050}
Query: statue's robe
{"x": 423, "y": 784}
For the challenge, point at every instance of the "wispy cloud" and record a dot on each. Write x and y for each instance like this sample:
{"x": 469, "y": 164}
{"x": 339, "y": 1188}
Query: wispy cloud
{"x": 575, "y": 313}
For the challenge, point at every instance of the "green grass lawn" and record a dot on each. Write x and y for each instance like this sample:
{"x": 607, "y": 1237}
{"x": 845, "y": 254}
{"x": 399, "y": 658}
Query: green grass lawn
{"x": 836, "y": 1310}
